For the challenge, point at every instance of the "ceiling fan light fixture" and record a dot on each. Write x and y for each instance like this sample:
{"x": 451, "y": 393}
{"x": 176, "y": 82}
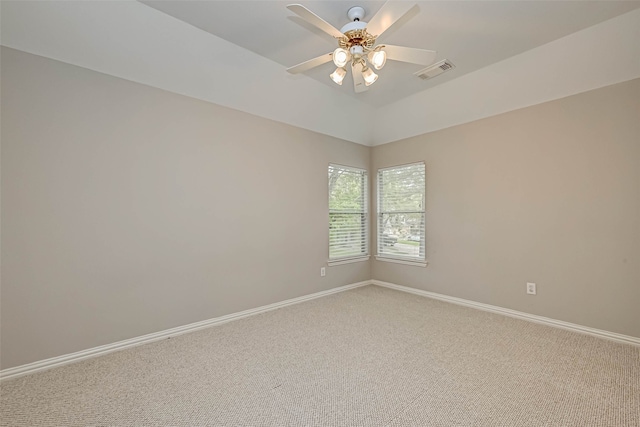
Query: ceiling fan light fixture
{"x": 378, "y": 58}
{"x": 357, "y": 44}
{"x": 369, "y": 76}
{"x": 340, "y": 57}
{"x": 338, "y": 75}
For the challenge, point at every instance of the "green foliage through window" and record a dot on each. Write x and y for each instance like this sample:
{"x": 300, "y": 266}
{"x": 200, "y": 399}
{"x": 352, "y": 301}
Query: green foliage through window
{"x": 348, "y": 212}
{"x": 401, "y": 212}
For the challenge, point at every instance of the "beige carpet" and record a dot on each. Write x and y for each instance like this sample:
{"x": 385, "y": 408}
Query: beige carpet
{"x": 366, "y": 357}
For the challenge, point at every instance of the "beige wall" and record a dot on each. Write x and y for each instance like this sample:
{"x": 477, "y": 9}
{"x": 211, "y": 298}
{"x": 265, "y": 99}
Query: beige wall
{"x": 128, "y": 210}
{"x": 548, "y": 194}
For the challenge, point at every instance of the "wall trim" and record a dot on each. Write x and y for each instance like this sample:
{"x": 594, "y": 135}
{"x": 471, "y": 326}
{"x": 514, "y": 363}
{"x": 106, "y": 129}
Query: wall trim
{"x": 612, "y": 336}
{"x": 66, "y": 359}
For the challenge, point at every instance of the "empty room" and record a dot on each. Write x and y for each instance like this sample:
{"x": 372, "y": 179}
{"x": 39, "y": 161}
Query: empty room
{"x": 332, "y": 213}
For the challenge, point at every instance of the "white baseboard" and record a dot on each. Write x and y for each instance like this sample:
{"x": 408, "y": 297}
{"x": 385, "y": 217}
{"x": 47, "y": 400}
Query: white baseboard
{"x": 626, "y": 339}
{"x": 66, "y": 359}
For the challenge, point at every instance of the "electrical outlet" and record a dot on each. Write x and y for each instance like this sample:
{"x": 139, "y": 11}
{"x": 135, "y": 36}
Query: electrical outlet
{"x": 531, "y": 288}
{"x": 323, "y": 272}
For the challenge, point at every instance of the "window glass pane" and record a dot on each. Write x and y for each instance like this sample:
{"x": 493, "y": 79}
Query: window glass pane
{"x": 403, "y": 189}
{"x": 346, "y": 235}
{"x": 345, "y": 191}
{"x": 401, "y": 211}
{"x": 402, "y": 234}
{"x": 348, "y": 213}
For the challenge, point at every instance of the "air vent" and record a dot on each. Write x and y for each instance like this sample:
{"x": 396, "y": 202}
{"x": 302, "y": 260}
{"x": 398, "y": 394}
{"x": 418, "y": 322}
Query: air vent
{"x": 435, "y": 69}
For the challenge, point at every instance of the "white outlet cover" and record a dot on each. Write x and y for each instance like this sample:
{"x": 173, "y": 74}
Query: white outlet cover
{"x": 531, "y": 288}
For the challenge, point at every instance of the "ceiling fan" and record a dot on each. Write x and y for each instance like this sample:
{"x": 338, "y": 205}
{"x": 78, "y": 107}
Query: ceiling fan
{"x": 357, "y": 44}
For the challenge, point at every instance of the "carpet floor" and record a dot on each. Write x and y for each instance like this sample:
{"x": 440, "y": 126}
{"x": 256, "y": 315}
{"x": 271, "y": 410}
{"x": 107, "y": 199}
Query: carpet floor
{"x": 370, "y": 356}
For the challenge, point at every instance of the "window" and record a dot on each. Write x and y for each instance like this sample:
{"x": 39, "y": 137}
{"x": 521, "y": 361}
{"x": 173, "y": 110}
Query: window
{"x": 348, "y": 213}
{"x": 401, "y": 213}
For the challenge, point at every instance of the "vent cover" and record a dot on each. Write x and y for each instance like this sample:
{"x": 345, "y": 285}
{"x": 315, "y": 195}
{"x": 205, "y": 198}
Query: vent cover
{"x": 435, "y": 69}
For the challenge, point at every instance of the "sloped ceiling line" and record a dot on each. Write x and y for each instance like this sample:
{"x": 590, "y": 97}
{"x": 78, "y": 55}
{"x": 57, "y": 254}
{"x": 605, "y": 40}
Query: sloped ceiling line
{"x": 136, "y": 42}
{"x": 601, "y": 55}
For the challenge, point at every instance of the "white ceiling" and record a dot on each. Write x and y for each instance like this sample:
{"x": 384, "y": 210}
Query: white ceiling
{"x": 508, "y": 55}
{"x": 471, "y": 34}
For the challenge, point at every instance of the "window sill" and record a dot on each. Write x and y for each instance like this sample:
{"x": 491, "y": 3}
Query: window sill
{"x": 347, "y": 261}
{"x": 402, "y": 261}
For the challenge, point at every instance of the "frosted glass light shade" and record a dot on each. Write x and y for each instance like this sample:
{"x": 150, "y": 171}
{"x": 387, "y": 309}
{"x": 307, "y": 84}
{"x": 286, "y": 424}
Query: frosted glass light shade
{"x": 378, "y": 59}
{"x": 338, "y": 75}
{"x": 340, "y": 57}
{"x": 369, "y": 76}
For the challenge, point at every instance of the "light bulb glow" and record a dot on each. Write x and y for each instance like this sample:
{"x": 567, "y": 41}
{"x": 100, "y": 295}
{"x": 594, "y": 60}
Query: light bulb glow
{"x": 378, "y": 59}
{"x": 369, "y": 76}
{"x": 340, "y": 57}
{"x": 338, "y": 75}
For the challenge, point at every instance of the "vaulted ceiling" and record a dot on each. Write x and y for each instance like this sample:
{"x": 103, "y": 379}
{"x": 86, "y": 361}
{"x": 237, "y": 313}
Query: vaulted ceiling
{"x": 507, "y": 55}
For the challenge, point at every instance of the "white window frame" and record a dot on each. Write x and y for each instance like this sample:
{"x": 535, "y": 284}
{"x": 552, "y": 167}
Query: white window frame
{"x": 383, "y": 254}
{"x": 363, "y": 213}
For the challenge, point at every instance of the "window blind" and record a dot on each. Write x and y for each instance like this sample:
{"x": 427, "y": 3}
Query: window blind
{"x": 348, "y": 212}
{"x": 401, "y": 212}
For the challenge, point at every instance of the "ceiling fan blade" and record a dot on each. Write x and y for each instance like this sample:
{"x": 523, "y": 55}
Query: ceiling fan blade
{"x": 410, "y": 54}
{"x": 307, "y": 65}
{"x": 358, "y": 80}
{"x": 315, "y": 20}
{"x": 388, "y": 14}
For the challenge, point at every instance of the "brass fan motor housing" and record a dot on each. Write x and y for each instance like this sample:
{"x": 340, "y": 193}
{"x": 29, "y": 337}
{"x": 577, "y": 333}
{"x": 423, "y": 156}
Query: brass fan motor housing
{"x": 357, "y": 38}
